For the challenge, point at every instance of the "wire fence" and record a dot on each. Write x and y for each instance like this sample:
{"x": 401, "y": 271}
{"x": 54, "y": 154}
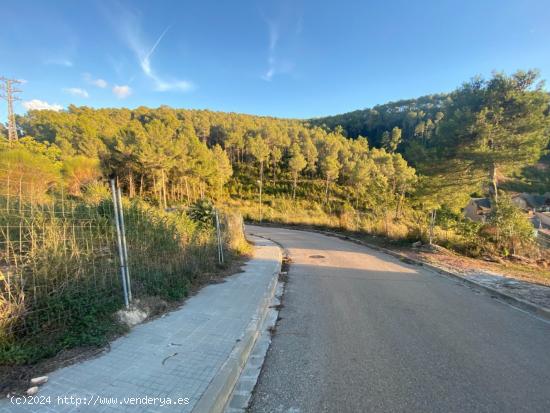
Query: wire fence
{"x": 60, "y": 280}
{"x": 543, "y": 238}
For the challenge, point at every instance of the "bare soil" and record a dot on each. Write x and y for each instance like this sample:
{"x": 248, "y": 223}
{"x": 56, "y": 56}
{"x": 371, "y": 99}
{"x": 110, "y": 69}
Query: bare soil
{"x": 532, "y": 273}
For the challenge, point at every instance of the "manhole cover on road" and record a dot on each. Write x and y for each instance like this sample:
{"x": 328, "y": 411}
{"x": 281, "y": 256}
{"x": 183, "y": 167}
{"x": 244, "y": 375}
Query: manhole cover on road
{"x": 316, "y": 256}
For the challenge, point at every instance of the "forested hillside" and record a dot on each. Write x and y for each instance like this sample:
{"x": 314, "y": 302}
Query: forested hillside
{"x": 173, "y": 155}
{"x": 399, "y": 162}
{"x": 413, "y": 117}
{"x": 413, "y": 126}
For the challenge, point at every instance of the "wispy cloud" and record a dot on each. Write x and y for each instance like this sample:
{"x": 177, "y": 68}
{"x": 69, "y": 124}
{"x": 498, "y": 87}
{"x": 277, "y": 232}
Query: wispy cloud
{"x": 275, "y": 65}
{"x": 273, "y": 40}
{"x": 36, "y": 104}
{"x": 59, "y": 62}
{"x": 96, "y": 82}
{"x": 129, "y": 26}
{"x": 76, "y": 91}
{"x": 122, "y": 92}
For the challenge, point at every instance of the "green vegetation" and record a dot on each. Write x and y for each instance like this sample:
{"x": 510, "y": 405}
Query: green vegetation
{"x": 63, "y": 286}
{"x": 59, "y": 272}
{"x": 496, "y": 128}
{"x": 491, "y": 128}
{"x": 512, "y": 230}
{"x": 383, "y": 171}
{"x": 418, "y": 155}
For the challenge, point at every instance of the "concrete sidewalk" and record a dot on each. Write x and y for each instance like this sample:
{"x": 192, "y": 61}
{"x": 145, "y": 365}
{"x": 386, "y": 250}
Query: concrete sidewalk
{"x": 180, "y": 356}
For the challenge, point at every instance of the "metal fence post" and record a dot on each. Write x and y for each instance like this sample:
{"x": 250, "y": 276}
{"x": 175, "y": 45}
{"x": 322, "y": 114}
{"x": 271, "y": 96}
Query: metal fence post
{"x": 219, "y": 237}
{"x": 119, "y": 243}
{"x": 432, "y": 224}
{"x": 124, "y": 247}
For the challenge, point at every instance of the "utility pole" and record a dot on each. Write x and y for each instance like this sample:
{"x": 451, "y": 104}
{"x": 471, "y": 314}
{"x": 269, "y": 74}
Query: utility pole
{"x": 9, "y": 95}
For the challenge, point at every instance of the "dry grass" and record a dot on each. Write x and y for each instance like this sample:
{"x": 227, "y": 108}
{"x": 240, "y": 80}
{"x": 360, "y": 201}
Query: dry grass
{"x": 60, "y": 282}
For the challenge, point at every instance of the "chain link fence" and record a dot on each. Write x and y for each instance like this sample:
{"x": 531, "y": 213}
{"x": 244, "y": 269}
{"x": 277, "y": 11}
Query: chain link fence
{"x": 60, "y": 280}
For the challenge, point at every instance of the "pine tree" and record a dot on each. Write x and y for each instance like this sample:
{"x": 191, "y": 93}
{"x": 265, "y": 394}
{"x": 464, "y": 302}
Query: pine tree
{"x": 495, "y": 126}
{"x": 296, "y": 164}
{"x": 259, "y": 149}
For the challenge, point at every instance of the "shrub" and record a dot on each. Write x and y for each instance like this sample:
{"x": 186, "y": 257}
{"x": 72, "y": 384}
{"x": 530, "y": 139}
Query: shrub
{"x": 508, "y": 227}
{"x": 79, "y": 171}
{"x": 95, "y": 192}
{"x": 202, "y": 211}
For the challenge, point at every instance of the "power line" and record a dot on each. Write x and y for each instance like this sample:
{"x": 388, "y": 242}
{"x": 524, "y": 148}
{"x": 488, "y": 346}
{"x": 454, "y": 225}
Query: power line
{"x": 9, "y": 95}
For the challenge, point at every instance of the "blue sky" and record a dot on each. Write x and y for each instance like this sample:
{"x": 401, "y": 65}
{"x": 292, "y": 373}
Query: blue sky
{"x": 300, "y": 58}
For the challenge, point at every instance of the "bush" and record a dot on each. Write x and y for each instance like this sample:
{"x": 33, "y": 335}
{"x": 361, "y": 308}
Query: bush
{"x": 95, "y": 192}
{"x": 202, "y": 211}
{"x": 78, "y": 172}
{"x": 508, "y": 227}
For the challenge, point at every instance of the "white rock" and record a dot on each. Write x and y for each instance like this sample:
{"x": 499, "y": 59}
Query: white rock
{"x": 37, "y": 381}
{"x": 131, "y": 317}
{"x": 32, "y": 391}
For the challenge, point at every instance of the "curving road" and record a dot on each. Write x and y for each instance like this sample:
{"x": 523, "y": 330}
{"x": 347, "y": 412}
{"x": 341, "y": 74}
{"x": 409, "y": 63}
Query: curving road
{"x": 364, "y": 332}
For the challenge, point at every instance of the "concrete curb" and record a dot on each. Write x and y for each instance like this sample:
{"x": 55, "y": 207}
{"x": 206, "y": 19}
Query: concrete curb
{"x": 514, "y": 301}
{"x": 242, "y": 393}
{"x": 218, "y": 393}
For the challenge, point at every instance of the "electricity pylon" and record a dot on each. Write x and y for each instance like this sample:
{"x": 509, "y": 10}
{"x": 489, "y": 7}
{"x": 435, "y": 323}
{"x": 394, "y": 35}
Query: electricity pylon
{"x": 6, "y": 86}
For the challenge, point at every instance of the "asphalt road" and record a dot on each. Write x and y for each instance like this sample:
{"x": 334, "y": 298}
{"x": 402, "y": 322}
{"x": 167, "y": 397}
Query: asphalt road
{"x": 363, "y": 332}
